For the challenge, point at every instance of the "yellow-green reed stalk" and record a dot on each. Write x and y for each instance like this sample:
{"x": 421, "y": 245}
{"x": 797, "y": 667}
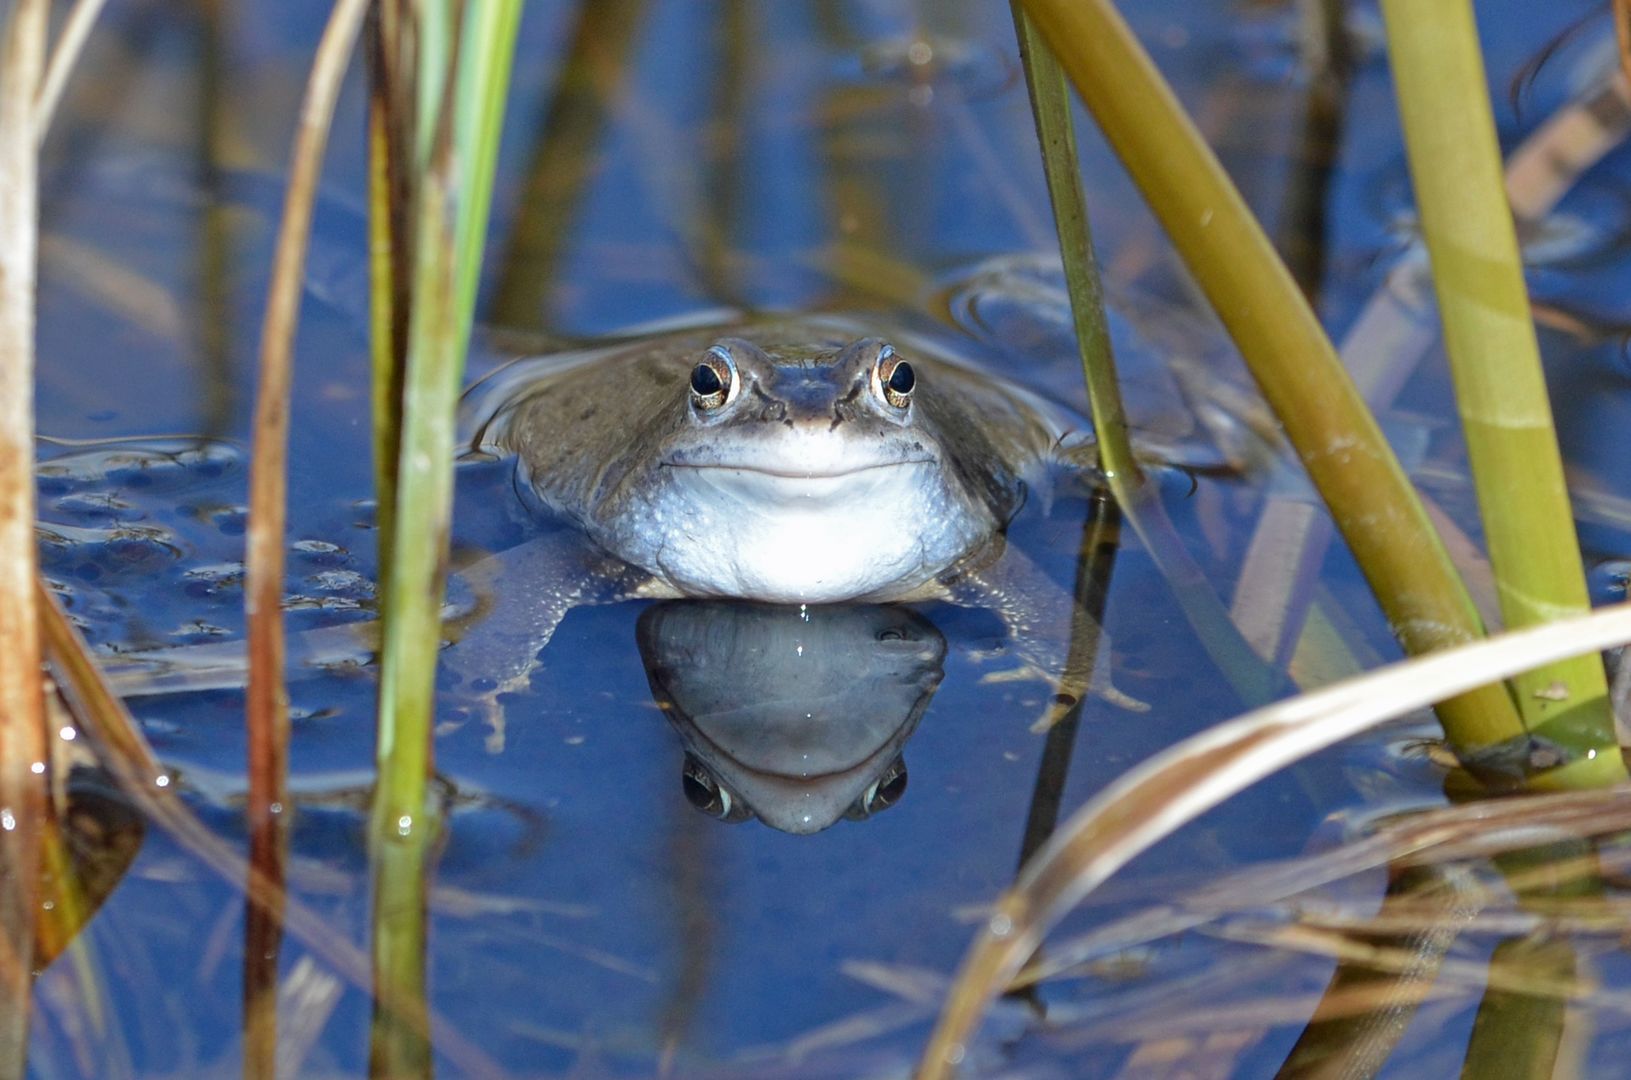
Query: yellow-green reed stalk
{"x": 22, "y": 718}
{"x": 267, "y": 701}
{"x": 1455, "y": 164}
{"x": 1288, "y": 353}
{"x": 1050, "y": 104}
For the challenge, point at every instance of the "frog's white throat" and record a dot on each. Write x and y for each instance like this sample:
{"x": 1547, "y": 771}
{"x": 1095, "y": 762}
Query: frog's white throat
{"x": 875, "y": 532}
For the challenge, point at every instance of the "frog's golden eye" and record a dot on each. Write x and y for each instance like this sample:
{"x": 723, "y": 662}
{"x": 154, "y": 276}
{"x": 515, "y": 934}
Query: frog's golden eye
{"x": 713, "y": 380}
{"x": 893, "y": 378}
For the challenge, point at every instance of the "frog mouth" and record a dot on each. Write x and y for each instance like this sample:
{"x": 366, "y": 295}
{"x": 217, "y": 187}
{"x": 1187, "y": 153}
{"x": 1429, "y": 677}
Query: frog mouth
{"x": 783, "y": 473}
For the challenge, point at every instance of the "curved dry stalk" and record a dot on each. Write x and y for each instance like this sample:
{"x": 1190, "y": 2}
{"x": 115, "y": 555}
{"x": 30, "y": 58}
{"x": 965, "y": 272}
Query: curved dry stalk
{"x": 1176, "y": 786}
{"x": 22, "y": 718}
{"x": 70, "y": 43}
{"x": 267, "y": 702}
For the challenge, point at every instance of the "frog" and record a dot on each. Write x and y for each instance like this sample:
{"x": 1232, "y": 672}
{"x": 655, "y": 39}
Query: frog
{"x": 798, "y": 460}
{"x": 793, "y": 460}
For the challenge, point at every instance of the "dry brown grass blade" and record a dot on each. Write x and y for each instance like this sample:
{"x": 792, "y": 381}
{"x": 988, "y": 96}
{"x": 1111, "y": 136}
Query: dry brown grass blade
{"x": 1474, "y": 830}
{"x": 22, "y": 718}
{"x": 267, "y": 703}
{"x": 1156, "y": 798}
{"x": 76, "y": 29}
{"x": 125, "y": 753}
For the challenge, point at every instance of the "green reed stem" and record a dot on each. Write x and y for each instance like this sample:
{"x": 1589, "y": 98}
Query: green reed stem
{"x": 451, "y": 194}
{"x": 1455, "y": 163}
{"x": 1288, "y": 353}
{"x": 1050, "y": 105}
{"x": 485, "y": 54}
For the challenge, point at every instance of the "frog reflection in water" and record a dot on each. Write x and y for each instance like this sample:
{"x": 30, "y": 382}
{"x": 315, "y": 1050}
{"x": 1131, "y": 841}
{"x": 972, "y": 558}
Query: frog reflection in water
{"x": 796, "y": 716}
{"x": 801, "y": 461}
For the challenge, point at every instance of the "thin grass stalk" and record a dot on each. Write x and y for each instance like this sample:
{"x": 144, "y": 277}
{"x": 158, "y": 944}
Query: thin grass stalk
{"x": 76, "y": 30}
{"x": 1055, "y": 131}
{"x": 1455, "y": 163}
{"x": 22, "y": 708}
{"x": 1156, "y": 798}
{"x": 486, "y": 51}
{"x": 1291, "y": 358}
{"x": 267, "y": 701}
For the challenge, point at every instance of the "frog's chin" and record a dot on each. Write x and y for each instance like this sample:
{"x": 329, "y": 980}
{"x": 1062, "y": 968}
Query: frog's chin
{"x": 876, "y": 533}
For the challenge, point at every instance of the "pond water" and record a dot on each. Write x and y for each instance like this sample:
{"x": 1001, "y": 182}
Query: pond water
{"x": 587, "y": 920}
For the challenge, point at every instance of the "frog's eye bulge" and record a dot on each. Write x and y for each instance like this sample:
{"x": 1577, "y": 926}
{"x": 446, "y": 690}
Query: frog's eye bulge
{"x": 704, "y": 791}
{"x": 893, "y": 378}
{"x": 714, "y": 381}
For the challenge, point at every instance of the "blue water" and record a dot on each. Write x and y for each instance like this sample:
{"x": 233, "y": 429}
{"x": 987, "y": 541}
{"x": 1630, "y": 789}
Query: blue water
{"x": 586, "y": 920}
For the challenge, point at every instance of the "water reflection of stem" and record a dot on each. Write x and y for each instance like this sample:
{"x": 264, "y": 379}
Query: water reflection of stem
{"x": 267, "y": 700}
{"x": 398, "y": 1036}
{"x": 216, "y": 328}
{"x": 1327, "y": 64}
{"x": 1366, "y": 1008}
{"x": 22, "y": 718}
{"x": 1518, "y": 1031}
{"x": 564, "y": 158}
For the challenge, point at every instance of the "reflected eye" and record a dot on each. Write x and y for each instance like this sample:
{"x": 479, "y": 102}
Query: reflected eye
{"x": 895, "y": 378}
{"x": 713, "y": 380}
{"x": 884, "y": 793}
{"x": 708, "y": 795}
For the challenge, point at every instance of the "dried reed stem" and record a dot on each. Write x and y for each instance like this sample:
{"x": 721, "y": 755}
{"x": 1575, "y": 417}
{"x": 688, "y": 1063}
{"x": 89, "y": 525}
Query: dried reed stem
{"x": 75, "y": 32}
{"x": 268, "y": 707}
{"x": 22, "y": 719}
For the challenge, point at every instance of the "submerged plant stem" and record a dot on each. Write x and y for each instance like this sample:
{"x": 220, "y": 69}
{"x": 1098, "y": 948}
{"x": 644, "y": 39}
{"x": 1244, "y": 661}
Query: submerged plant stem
{"x": 22, "y": 719}
{"x": 1455, "y": 163}
{"x": 1287, "y": 351}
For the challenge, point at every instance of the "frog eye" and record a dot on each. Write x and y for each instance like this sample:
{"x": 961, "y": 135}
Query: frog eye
{"x": 893, "y": 378}
{"x": 885, "y": 792}
{"x": 713, "y": 380}
{"x": 706, "y": 793}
